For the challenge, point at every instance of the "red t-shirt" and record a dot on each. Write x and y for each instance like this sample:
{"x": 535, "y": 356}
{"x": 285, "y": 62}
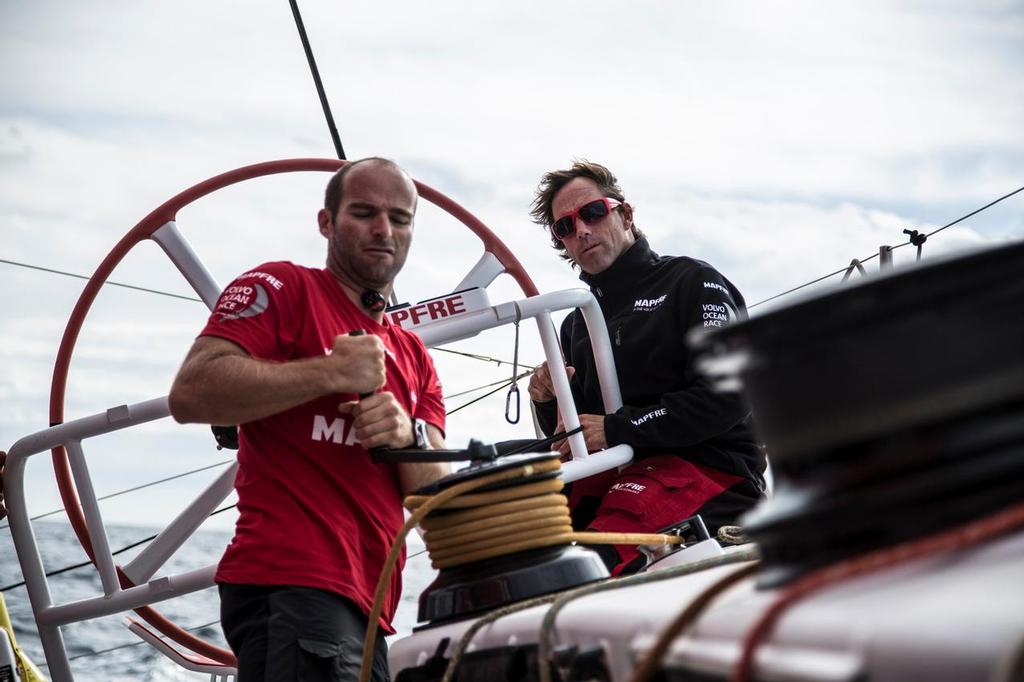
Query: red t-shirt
{"x": 313, "y": 509}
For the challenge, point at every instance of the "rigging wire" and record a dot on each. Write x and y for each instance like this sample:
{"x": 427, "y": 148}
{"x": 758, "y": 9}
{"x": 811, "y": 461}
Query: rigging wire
{"x": 975, "y": 212}
{"x": 813, "y": 281}
{"x": 499, "y": 361}
{"x": 138, "y": 487}
{"x": 906, "y": 243}
{"x": 474, "y": 356}
{"x": 58, "y": 571}
{"x": 110, "y": 282}
{"x": 504, "y": 384}
{"x": 316, "y": 80}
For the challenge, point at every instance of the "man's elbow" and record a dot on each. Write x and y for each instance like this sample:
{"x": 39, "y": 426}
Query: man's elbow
{"x": 183, "y": 403}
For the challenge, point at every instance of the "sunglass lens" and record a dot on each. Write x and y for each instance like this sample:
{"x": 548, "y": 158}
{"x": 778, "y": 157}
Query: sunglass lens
{"x": 563, "y": 227}
{"x": 593, "y": 211}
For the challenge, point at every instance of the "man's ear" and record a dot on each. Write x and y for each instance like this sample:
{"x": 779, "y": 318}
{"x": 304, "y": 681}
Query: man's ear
{"x": 323, "y": 219}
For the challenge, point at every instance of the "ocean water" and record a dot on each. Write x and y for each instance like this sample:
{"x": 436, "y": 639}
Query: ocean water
{"x": 59, "y": 547}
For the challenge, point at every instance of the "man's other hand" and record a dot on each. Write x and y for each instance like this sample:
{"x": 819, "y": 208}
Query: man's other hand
{"x": 593, "y": 435}
{"x": 379, "y": 421}
{"x": 541, "y": 389}
{"x": 356, "y": 364}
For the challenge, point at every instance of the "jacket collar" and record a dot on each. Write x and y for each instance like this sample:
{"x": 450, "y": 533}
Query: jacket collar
{"x": 622, "y": 274}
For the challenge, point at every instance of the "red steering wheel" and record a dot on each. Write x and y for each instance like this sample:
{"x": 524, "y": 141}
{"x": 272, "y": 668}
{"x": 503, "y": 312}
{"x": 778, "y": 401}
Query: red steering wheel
{"x": 144, "y": 230}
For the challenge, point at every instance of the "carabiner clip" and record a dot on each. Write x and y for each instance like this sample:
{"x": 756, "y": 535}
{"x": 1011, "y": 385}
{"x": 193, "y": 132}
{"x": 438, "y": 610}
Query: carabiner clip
{"x": 508, "y": 404}
{"x": 514, "y": 388}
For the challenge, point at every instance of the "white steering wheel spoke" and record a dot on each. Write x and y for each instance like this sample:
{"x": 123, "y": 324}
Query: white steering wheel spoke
{"x": 483, "y": 273}
{"x": 185, "y": 259}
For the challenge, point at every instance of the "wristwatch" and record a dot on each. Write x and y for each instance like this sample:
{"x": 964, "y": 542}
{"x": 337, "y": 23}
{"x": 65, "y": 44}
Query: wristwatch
{"x": 420, "y": 441}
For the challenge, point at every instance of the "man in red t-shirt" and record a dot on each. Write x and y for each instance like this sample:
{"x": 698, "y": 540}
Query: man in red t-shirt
{"x": 316, "y": 516}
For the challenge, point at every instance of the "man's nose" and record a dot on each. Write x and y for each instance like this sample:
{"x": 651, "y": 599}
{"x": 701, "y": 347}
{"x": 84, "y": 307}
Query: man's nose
{"x": 381, "y": 225}
{"x": 582, "y": 228}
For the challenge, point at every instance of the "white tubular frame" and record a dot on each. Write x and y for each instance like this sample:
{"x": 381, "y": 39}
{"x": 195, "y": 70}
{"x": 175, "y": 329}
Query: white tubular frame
{"x": 50, "y": 616}
{"x": 540, "y": 308}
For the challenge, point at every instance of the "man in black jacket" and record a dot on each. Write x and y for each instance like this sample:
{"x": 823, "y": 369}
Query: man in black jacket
{"x": 694, "y": 452}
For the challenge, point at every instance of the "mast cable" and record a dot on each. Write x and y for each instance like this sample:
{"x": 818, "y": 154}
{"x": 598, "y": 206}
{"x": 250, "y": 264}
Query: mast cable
{"x": 499, "y": 362}
{"x": 119, "y": 551}
{"x": 504, "y": 384}
{"x": 131, "y": 490}
{"x": 473, "y": 356}
{"x": 110, "y": 282}
{"x": 906, "y": 243}
{"x": 316, "y": 79}
{"x": 993, "y": 203}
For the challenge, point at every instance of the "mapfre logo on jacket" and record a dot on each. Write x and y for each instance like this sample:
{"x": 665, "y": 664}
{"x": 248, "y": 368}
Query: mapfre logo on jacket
{"x": 646, "y": 305}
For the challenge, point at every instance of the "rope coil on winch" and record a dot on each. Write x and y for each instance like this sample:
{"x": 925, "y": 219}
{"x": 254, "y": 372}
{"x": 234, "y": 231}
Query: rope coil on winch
{"x": 492, "y": 533}
{"x": 512, "y": 519}
{"x": 477, "y": 526}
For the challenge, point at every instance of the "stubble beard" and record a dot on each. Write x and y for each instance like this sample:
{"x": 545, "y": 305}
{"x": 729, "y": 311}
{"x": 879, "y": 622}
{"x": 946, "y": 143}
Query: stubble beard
{"x": 366, "y": 273}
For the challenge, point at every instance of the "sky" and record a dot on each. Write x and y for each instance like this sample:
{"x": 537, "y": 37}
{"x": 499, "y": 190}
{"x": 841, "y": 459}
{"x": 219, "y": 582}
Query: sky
{"x": 776, "y": 141}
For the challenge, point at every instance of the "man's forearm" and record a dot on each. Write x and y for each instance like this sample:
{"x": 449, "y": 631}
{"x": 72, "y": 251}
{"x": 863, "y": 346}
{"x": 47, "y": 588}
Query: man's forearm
{"x": 235, "y": 389}
{"x": 416, "y": 475}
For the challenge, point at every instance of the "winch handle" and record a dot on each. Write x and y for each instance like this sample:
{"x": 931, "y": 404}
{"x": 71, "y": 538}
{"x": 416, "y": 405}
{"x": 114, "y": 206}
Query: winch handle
{"x": 361, "y": 332}
{"x": 374, "y": 452}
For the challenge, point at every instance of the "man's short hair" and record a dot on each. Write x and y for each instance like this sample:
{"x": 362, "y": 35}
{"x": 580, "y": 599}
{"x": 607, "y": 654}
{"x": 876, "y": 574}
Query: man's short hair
{"x": 554, "y": 181}
{"x": 332, "y": 195}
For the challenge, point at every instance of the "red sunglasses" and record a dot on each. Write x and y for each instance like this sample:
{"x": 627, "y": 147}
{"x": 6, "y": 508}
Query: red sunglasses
{"x": 589, "y": 213}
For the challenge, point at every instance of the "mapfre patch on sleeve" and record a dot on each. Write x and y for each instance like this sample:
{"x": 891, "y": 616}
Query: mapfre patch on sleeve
{"x": 242, "y": 300}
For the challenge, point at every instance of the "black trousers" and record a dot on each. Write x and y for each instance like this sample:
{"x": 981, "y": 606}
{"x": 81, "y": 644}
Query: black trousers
{"x": 283, "y": 633}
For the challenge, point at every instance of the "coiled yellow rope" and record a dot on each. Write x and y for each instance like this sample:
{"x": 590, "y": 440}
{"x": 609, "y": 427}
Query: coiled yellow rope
{"x": 490, "y": 524}
{"x": 497, "y": 522}
{"x": 512, "y": 519}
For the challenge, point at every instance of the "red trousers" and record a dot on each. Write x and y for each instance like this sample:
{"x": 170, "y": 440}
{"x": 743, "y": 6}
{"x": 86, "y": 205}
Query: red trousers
{"x": 648, "y": 495}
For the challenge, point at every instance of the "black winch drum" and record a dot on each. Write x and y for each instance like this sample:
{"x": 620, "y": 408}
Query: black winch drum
{"x": 890, "y": 408}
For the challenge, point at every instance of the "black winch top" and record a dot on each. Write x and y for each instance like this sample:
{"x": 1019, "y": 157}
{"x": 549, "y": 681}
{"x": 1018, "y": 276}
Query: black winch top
{"x": 914, "y": 346}
{"x": 891, "y": 409}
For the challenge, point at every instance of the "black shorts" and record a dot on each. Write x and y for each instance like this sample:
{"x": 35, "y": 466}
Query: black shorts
{"x": 283, "y": 633}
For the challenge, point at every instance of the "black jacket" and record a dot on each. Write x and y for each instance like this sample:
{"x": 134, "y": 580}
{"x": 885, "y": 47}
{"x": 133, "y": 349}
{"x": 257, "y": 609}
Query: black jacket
{"x": 649, "y": 303}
